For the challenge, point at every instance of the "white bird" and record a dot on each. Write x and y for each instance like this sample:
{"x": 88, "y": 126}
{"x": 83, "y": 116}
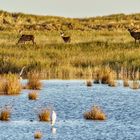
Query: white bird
{"x": 20, "y": 74}
{"x": 53, "y": 118}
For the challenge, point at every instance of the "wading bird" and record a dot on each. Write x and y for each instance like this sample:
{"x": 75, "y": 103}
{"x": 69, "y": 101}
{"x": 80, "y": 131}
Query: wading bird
{"x": 53, "y": 118}
{"x": 21, "y": 72}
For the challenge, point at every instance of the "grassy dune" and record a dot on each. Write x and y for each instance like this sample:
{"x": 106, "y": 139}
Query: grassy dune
{"x": 95, "y": 42}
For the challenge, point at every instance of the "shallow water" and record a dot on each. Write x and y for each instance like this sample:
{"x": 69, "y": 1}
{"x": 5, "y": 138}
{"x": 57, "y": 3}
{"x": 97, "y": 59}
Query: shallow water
{"x": 70, "y": 99}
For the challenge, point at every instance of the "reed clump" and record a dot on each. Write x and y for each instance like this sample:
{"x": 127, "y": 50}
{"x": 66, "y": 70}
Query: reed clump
{"x": 112, "y": 83}
{"x": 44, "y": 115}
{"x": 135, "y": 85}
{"x": 107, "y": 75}
{"x": 5, "y": 114}
{"x": 10, "y": 84}
{"x": 89, "y": 83}
{"x": 126, "y": 82}
{"x": 95, "y": 114}
{"x": 34, "y": 80}
{"x": 38, "y": 135}
{"x": 33, "y": 96}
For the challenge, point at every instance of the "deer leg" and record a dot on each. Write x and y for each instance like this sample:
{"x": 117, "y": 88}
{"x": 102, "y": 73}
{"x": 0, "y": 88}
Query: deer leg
{"x": 33, "y": 41}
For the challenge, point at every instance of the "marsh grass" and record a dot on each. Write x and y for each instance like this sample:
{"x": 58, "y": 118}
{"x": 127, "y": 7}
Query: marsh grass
{"x": 95, "y": 42}
{"x": 33, "y": 96}
{"x": 10, "y": 84}
{"x": 44, "y": 115}
{"x": 95, "y": 114}
{"x": 34, "y": 80}
{"x": 5, "y": 114}
{"x": 38, "y": 135}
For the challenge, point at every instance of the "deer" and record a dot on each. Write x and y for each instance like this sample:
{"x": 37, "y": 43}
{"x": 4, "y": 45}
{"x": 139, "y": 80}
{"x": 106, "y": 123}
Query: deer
{"x": 66, "y": 39}
{"x": 135, "y": 34}
{"x": 24, "y": 38}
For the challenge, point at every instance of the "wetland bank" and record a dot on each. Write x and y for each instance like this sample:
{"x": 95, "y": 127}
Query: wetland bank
{"x": 99, "y": 50}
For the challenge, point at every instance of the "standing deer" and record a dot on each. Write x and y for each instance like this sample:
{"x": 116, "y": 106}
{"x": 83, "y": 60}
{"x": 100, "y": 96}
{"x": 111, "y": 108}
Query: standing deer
{"x": 66, "y": 39}
{"x": 24, "y": 38}
{"x": 135, "y": 34}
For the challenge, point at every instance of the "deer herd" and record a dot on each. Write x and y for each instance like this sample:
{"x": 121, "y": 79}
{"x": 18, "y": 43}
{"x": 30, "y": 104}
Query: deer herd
{"x": 67, "y": 39}
{"x": 24, "y": 38}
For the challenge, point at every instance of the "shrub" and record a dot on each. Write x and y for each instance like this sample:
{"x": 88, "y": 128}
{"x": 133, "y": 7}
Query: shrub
{"x": 44, "y": 115}
{"x": 34, "y": 80}
{"x": 38, "y": 135}
{"x": 5, "y": 114}
{"x": 95, "y": 114}
{"x": 33, "y": 96}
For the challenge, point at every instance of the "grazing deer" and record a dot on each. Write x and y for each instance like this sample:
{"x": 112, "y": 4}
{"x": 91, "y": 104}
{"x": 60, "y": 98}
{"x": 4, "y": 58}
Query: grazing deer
{"x": 25, "y": 38}
{"x": 135, "y": 34}
{"x": 66, "y": 39}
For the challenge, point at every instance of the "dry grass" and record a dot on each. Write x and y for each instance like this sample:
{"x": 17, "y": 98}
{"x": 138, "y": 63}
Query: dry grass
{"x": 38, "y": 135}
{"x": 34, "y": 80}
{"x": 10, "y": 84}
{"x": 89, "y": 83}
{"x": 126, "y": 83}
{"x": 5, "y": 114}
{"x": 44, "y": 115}
{"x": 33, "y": 96}
{"x": 135, "y": 85}
{"x": 95, "y": 114}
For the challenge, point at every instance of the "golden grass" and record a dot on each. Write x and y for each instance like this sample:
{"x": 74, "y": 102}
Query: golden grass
{"x": 38, "y": 135}
{"x": 44, "y": 115}
{"x": 5, "y": 114}
{"x": 10, "y": 84}
{"x": 34, "y": 80}
{"x": 95, "y": 114}
{"x": 89, "y": 83}
{"x": 33, "y": 96}
{"x": 126, "y": 83}
{"x": 135, "y": 85}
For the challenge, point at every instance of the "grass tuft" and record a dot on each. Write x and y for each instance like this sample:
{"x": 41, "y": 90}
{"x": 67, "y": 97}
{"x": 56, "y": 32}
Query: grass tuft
{"x": 89, "y": 83}
{"x": 10, "y": 85}
{"x": 34, "y": 81}
{"x": 33, "y": 96}
{"x": 95, "y": 114}
{"x": 44, "y": 115}
{"x": 38, "y": 135}
{"x": 5, "y": 114}
{"x": 125, "y": 83}
{"x": 135, "y": 85}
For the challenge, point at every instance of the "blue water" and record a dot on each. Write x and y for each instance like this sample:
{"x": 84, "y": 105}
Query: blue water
{"x": 70, "y": 99}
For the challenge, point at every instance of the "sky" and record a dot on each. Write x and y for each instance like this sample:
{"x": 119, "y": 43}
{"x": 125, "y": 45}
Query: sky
{"x": 71, "y": 8}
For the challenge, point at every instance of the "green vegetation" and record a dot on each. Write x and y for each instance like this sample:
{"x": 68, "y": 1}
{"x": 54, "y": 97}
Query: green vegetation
{"x": 95, "y": 43}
